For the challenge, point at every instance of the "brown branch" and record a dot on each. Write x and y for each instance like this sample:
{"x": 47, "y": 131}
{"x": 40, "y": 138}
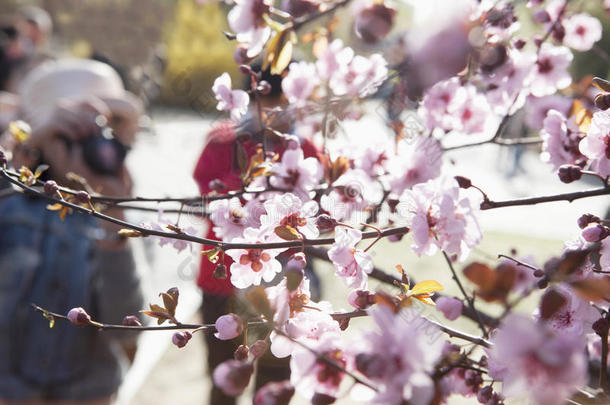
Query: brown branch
{"x": 182, "y": 236}
{"x": 487, "y": 205}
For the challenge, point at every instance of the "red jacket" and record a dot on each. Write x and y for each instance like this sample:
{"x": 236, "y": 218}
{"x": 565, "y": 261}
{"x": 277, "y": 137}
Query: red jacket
{"x": 218, "y": 161}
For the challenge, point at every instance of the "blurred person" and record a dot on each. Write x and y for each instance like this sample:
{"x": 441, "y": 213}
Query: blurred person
{"x": 218, "y": 161}
{"x": 77, "y": 262}
{"x": 34, "y": 28}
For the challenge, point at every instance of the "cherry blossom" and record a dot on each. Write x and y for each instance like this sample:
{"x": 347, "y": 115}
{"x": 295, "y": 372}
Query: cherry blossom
{"x": 289, "y": 210}
{"x": 300, "y": 82}
{"x": 334, "y": 59}
{"x": 582, "y": 31}
{"x": 231, "y": 218}
{"x": 310, "y": 375}
{"x": 352, "y": 192}
{"x": 235, "y": 101}
{"x": 399, "y": 356}
{"x": 441, "y": 216}
{"x": 246, "y": 20}
{"x": 560, "y": 140}
{"x": 435, "y": 104}
{"x": 574, "y": 316}
{"x": 596, "y": 145}
{"x": 537, "y": 109}
{"x": 416, "y": 161}
{"x": 228, "y": 327}
{"x": 450, "y": 307}
{"x": 470, "y": 110}
{"x": 250, "y": 266}
{"x": 161, "y": 225}
{"x": 351, "y": 264}
{"x": 232, "y": 376}
{"x": 551, "y": 71}
{"x": 296, "y": 173}
{"x": 534, "y": 362}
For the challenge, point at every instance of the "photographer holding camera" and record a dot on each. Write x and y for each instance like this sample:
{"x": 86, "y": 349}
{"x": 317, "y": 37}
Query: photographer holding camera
{"x": 83, "y": 122}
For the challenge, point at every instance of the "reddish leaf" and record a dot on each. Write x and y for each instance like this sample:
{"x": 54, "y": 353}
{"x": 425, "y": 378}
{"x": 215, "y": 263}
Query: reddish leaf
{"x": 593, "y": 288}
{"x": 551, "y": 302}
{"x": 287, "y": 232}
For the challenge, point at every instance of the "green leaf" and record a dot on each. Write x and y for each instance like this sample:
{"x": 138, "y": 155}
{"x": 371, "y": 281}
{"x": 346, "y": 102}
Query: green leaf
{"x": 49, "y": 318}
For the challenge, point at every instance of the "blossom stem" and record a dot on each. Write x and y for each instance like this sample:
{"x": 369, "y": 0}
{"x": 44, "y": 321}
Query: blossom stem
{"x": 466, "y": 296}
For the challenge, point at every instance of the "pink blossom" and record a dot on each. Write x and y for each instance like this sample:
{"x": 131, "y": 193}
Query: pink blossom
{"x": 161, "y": 225}
{"x": 574, "y": 316}
{"x": 250, "y": 266}
{"x": 310, "y": 375}
{"x": 441, "y": 216}
{"x": 435, "y": 103}
{"x": 233, "y": 376}
{"x": 594, "y": 232}
{"x": 416, "y": 161}
{"x": 351, "y": 193}
{"x": 274, "y": 393}
{"x": 596, "y": 145}
{"x": 470, "y": 110}
{"x": 360, "y": 77}
{"x": 235, "y": 101}
{"x": 534, "y": 362}
{"x": 246, "y": 20}
{"x": 450, "y": 307}
{"x": 300, "y": 82}
{"x": 560, "y": 140}
{"x": 231, "y": 218}
{"x": 537, "y": 109}
{"x": 508, "y": 85}
{"x": 79, "y": 317}
{"x": 582, "y": 31}
{"x": 334, "y": 59}
{"x": 400, "y": 356}
{"x": 289, "y": 210}
{"x": 296, "y": 173}
{"x": 351, "y": 264}
{"x": 551, "y": 70}
{"x": 228, "y": 327}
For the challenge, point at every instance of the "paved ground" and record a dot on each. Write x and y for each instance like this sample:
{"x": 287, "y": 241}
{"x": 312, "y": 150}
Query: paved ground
{"x": 162, "y": 164}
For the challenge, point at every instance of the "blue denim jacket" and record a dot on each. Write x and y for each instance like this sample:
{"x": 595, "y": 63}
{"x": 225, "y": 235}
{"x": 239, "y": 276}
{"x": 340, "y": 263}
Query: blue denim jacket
{"x": 55, "y": 264}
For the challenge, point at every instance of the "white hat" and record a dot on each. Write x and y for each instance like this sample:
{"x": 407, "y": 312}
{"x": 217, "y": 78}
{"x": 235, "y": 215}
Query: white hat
{"x": 75, "y": 79}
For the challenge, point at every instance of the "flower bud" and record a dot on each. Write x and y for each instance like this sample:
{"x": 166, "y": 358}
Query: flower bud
{"x": 587, "y": 219}
{"x": 375, "y": 22}
{"x": 537, "y": 40}
{"x": 82, "y": 197}
{"x": 220, "y": 272}
{"x": 491, "y": 58}
{"x": 519, "y": 43}
{"x": 232, "y": 376}
{"x": 463, "y": 182}
{"x": 51, "y": 187}
{"x": 542, "y": 16}
{"x": 180, "y": 339}
{"x": 543, "y": 283}
{"x": 361, "y": 299}
{"x": 569, "y": 173}
{"x": 325, "y": 222}
{"x": 131, "y": 320}
{"x": 274, "y": 393}
{"x": 258, "y": 348}
{"x": 559, "y": 32}
{"x": 79, "y": 317}
{"x": 601, "y": 327}
{"x": 450, "y": 307}
{"x": 484, "y": 394}
{"x": 297, "y": 261}
{"x": 217, "y": 185}
{"x": 229, "y": 327}
{"x": 538, "y": 273}
{"x": 322, "y": 399}
{"x": 595, "y": 232}
{"x": 241, "y": 353}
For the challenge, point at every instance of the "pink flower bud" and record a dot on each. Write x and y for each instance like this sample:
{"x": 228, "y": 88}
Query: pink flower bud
{"x": 450, "y": 307}
{"x": 82, "y": 197}
{"x": 79, "y": 317}
{"x": 361, "y": 299}
{"x": 180, "y": 339}
{"x": 326, "y": 222}
{"x": 595, "y": 232}
{"x": 258, "y": 348}
{"x": 569, "y": 173}
{"x": 374, "y": 23}
{"x": 51, "y": 187}
{"x": 586, "y": 219}
{"x": 274, "y": 393}
{"x": 228, "y": 327}
{"x": 297, "y": 261}
{"x": 241, "y": 353}
{"x": 232, "y": 376}
{"x": 131, "y": 320}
